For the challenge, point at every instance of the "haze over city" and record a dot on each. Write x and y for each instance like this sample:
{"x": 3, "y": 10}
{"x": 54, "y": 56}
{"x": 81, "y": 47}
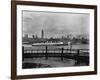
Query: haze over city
{"x": 55, "y": 39}
{"x": 55, "y": 24}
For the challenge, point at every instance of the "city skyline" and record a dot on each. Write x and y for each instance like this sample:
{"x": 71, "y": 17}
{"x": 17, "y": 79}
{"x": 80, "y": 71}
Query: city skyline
{"x": 55, "y": 25}
{"x": 63, "y": 36}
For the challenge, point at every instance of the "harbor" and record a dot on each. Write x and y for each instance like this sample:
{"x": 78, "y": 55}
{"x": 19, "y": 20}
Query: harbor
{"x": 55, "y": 56}
{"x": 55, "y": 40}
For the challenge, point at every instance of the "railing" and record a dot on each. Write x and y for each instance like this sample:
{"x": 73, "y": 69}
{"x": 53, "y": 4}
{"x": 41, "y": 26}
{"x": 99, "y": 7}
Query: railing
{"x": 57, "y": 52}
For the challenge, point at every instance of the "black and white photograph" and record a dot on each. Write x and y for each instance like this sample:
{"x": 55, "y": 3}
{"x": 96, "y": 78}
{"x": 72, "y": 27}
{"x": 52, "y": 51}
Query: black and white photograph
{"x": 55, "y": 39}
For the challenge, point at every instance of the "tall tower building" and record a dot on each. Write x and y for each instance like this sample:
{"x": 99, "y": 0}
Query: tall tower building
{"x": 33, "y": 36}
{"x": 42, "y": 34}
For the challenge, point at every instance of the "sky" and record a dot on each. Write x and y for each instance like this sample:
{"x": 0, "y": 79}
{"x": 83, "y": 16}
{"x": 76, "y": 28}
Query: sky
{"x": 54, "y": 24}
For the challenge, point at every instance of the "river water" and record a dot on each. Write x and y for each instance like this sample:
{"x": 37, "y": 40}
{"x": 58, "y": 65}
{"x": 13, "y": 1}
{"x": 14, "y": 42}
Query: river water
{"x": 77, "y": 46}
{"x": 52, "y": 61}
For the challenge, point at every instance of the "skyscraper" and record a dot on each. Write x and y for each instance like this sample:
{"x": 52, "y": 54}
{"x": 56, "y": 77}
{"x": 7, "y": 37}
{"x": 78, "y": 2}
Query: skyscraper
{"x": 33, "y": 36}
{"x": 42, "y": 34}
